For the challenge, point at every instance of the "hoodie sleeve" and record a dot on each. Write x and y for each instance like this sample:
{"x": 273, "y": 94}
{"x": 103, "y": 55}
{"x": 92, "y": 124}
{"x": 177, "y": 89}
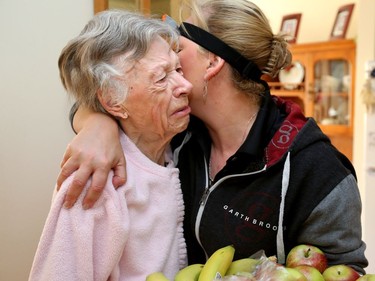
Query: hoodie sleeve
{"x": 341, "y": 244}
{"x": 74, "y": 241}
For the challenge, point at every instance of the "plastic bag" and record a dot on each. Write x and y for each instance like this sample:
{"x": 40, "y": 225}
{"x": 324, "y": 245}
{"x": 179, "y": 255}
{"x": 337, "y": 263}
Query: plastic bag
{"x": 267, "y": 270}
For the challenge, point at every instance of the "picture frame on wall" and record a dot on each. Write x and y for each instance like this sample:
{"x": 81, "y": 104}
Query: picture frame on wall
{"x": 290, "y": 26}
{"x": 341, "y": 23}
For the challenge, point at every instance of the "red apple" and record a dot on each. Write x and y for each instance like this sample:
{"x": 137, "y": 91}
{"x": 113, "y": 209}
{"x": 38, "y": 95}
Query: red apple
{"x": 367, "y": 277}
{"x": 340, "y": 272}
{"x": 307, "y": 255}
{"x": 311, "y": 273}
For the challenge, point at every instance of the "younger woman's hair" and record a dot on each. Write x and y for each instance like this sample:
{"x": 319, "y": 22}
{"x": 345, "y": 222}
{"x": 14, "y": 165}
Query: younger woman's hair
{"x": 243, "y": 26}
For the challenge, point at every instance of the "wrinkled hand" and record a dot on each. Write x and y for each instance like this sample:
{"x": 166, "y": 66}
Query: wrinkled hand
{"x": 91, "y": 157}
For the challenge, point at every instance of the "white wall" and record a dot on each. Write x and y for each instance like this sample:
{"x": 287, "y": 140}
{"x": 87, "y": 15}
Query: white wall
{"x": 33, "y": 120}
{"x": 317, "y": 17}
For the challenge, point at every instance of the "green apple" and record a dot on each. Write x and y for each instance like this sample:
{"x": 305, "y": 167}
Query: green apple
{"x": 340, "y": 272}
{"x": 367, "y": 277}
{"x": 311, "y": 273}
{"x": 156, "y": 276}
{"x": 281, "y": 273}
{"x": 307, "y": 255}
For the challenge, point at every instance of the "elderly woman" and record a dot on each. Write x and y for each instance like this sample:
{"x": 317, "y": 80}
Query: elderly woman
{"x": 124, "y": 65}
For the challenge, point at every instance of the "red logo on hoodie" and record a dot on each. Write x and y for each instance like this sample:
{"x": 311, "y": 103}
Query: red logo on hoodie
{"x": 283, "y": 137}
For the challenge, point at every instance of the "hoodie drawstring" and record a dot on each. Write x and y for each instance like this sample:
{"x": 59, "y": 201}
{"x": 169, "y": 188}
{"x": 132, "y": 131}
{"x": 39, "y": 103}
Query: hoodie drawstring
{"x": 284, "y": 189}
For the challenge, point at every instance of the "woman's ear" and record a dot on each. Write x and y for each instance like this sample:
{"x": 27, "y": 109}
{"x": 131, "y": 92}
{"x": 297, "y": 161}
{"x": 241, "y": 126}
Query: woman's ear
{"x": 118, "y": 110}
{"x": 216, "y": 63}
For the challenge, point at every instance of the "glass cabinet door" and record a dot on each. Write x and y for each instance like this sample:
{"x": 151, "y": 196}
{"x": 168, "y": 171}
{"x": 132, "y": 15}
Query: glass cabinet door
{"x": 332, "y": 92}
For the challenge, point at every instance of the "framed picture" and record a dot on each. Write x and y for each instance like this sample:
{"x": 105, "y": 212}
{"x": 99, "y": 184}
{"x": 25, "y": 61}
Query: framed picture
{"x": 342, "y": 22}
{"x": 290, "y": 26}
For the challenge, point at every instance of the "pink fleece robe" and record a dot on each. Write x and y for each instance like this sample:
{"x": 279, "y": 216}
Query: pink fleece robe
{"x": 129, "y": 233}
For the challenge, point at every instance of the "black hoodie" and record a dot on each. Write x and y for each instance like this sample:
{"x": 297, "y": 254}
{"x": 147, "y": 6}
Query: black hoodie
{"x": 286, "y": 185}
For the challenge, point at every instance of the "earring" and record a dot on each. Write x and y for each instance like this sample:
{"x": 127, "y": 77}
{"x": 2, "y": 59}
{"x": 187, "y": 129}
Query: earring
{"x": 204, "y": 96}
{"x": 125, "y": 115}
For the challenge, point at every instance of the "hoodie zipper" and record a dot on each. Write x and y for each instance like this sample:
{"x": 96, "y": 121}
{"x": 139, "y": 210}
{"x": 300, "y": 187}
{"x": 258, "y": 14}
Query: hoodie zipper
{"x": 206, "y": 193}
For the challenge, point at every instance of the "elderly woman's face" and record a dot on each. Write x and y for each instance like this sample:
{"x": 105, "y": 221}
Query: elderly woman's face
{"x": 158, "y": 94}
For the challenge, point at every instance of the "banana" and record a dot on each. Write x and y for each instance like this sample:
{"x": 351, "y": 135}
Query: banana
{"x": 156, "y": 276}
{"x": 217, "y": 264}
{"x": 189, "y": 273}
{"x": 247, "y": 265}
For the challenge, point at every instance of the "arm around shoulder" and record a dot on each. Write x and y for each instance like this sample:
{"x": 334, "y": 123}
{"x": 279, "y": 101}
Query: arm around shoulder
{"x": 93, "y": 152}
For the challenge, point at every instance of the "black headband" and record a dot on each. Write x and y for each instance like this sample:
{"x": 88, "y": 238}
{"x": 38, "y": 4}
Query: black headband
{"x": 213, "y": 44}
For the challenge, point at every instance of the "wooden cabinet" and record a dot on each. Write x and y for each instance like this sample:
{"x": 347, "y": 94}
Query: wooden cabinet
{"x": 327, "y": 89}
{"x": 148, "y": 7}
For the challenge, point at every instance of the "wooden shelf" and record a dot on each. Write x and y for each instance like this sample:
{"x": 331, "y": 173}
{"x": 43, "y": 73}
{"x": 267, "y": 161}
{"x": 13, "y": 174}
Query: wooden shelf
{"x": 289, "y": 86}
{"x": 337, "y": 94}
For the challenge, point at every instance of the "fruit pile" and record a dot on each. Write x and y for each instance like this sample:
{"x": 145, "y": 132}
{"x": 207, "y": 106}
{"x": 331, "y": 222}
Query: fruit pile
{"x": 303, "y": 263}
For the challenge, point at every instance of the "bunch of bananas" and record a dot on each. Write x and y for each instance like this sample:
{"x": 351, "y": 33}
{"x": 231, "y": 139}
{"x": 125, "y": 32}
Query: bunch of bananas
{"x": 219, "y": 264}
